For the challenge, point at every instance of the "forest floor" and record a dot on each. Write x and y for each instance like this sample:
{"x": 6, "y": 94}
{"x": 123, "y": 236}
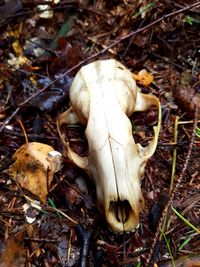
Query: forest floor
{"x": 44, "y": 51}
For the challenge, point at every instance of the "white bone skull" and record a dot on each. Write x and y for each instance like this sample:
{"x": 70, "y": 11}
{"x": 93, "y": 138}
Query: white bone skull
{"x": 103, "y": 95}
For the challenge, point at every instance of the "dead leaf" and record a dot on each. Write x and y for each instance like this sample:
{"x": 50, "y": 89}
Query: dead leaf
{"x": 143, "y": 77}
{"x": 13, "y": 251}
{"x": 34, "y": 167}
{"x": 32, "y": 232}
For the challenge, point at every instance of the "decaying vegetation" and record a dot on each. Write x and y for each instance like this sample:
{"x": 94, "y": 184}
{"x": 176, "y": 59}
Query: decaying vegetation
{"x": 40, "y": 53}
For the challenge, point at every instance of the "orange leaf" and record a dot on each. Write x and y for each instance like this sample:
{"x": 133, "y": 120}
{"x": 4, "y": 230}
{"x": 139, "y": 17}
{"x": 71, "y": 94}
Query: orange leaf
{"x": 13, "y": 251}
{"x": 143, "y": 77}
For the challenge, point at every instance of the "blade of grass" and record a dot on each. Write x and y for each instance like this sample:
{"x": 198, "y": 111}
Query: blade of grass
{"x": 185, "y": 221}
{"x": 174, "y": 155}
{"x": 168, "y": 247}
{"x": 185, "y": 242}
{"x": 138, "y": 264}
{"x": 197, "y": 132}
{"x": 172, "y": 173}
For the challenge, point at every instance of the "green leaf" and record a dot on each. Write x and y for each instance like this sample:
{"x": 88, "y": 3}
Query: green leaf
{"x": 185, "y": 242}
{"x": 138, "y": 264}
{"x": 190, "y": 20}
{"x": 51, "y": 203}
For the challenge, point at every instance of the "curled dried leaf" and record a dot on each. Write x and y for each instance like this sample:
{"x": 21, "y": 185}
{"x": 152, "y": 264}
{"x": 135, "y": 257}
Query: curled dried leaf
{"x": 143, "y": 77}
{"x": 34, "y": 167}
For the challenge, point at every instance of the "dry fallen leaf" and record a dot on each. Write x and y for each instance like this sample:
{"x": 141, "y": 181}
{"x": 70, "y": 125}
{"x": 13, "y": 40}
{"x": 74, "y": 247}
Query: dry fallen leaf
{"x": 143, "y": 77}
{"x": 13, "y": 252}
{"x": 34, "y": 167}
{"x": 32, "y": 232}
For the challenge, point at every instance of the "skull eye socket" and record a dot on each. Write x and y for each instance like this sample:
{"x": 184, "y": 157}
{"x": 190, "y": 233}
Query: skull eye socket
{"x": 121, "y": 210}
{"x": 142, "y": 125}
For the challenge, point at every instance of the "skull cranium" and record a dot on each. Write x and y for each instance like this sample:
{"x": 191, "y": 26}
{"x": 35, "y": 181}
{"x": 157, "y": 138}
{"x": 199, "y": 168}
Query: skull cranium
{"x": 103, "y": 95}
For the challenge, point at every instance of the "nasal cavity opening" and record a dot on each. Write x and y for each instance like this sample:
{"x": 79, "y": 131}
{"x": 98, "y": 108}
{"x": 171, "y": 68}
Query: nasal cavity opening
{"x": 121, "y": 210}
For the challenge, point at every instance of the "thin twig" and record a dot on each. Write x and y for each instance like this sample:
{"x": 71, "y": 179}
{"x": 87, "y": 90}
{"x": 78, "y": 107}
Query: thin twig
{"x": 171, "y": 197}
{"x": 131, "y": 40}
{"x": 96, "y": 55}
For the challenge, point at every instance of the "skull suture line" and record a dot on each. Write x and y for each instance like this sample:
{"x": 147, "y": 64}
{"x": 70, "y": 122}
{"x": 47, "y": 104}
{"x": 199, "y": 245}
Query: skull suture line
{"x": 103, "y": 95}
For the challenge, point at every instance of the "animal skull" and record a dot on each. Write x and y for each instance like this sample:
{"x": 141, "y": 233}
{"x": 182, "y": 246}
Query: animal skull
{"x": 103, "y": 95}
